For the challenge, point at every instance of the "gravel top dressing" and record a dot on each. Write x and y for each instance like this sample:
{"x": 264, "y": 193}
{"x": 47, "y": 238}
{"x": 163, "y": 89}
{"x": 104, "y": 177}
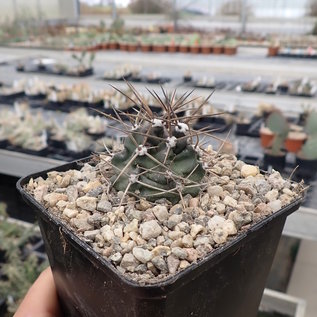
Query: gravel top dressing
{"x": 148, "y": 242}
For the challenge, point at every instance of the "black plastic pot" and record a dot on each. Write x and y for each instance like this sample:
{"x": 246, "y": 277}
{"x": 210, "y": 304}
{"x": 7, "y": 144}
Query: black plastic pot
{"x": 39, "y": 96}
{"x": 242, "y": 128}
{"x": 275, "y": 161}
{"x": 88, "y": 285}
{"x": 187, "y": 78}
{"x": 159, "y": 80}
{"x": 4, "y": 144}
{"x": 42, "y": 152}
{"x": 307, "y": 169}
{"x": 11, "y": 97}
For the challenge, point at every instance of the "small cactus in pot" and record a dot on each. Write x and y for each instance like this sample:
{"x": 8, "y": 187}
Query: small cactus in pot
{"x": 306, "y": 159}
{"x": 277, "y": 123}
{"x": 309, "y": 149}
{"x": 274, "y": 156}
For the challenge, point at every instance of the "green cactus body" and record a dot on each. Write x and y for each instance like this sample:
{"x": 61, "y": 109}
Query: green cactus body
{"x": 309, "y": 149}
{"x": 311, "y": 124}
{"x": 158, "y": 163}
{"x": 277, "y": 123}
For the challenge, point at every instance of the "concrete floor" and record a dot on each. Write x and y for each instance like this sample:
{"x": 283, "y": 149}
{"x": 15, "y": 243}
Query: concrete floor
{"x": 303, "y": 282}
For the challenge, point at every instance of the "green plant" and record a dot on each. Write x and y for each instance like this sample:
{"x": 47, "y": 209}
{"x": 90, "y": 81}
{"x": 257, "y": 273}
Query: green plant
{"x": 81, "y": 59}
{"x": 195, "y": 40}
{"x": 21, "y": 268}
{"x": 277, "y": 123}
{"x": 230, "y": 42}
{"x": 117, "y": 26}
{"x": 161, "y": 155}
{"x": 309, "y": 149}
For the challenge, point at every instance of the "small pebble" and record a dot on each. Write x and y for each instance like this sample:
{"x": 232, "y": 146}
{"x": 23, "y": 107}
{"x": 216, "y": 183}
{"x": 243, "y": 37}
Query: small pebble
{"x": 172, "y": 263}
{"x": 87, "y": 203}
{"x": 249, "y": 170}
{"x": 142, "y": 255}
{"x": 150, "y": 229}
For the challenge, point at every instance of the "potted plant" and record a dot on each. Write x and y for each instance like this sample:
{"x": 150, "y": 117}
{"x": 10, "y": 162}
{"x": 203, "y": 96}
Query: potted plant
{"x": 252, "y": 86}
{"x": 206, "y": 46}
{"x": 133, "y": 232}
{"x": 174, "y": 43}
{"x": 295, "y": 139}
{"x": 113, "y": 41}
{"x": 230, "y": 47}
{"x": 123, "y": 43}
{"x": 306, "y": 111}
{"x": 133, "y": 44}
{"x": 159, "y": 45}
{"x": 306, "y": 159}
{"x": 194, "y": 44}
{"x": 218, "y": 47}
{"x": 243, "y": 124}
{"x": 275, "y": 156}
{"x": 146, "y": 44}
{"x": 188, "y": 77}
{"x": 274, "y": 47}
{"x": 184, "y": 46}
{"x": 84, "y": 66}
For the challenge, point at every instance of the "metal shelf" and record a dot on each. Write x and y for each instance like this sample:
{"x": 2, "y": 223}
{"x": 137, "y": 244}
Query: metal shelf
{"x": 20, "y": 164}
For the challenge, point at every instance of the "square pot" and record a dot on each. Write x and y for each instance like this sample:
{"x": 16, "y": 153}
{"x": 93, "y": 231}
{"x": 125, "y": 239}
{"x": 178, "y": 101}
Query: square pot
{"x": 88, "y": 285}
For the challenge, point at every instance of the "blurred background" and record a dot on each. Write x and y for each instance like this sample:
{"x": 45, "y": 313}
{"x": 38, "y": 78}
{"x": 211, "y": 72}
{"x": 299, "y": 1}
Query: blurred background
{"x": 59, "y": 57}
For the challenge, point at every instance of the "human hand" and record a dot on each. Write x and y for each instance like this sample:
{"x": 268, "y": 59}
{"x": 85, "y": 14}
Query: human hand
{"x": 41, "y": 300}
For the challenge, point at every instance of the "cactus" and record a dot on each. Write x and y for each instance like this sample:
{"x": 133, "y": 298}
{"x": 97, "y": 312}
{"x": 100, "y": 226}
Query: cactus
{"x": 162, "y": 155}
{"x": 80, "y": 58}
{"x": 309, "y": 149}
{"x": 277, "y": 123}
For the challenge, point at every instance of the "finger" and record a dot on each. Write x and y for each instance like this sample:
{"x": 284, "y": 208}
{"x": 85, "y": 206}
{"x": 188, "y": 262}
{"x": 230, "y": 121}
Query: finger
{"x": 41, "y": 299}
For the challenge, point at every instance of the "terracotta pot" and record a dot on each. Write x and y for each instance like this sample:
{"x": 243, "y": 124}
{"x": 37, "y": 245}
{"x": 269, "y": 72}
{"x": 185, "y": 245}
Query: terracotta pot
{"x": 91, "y": 48}
{"x": 266, "y": 137}
{"x": 206, "y": 49}
{"x": 294, "y": 142}
{"x": 105, "y": 46}
{"x": 133, "y": 47}
{"x": 146, "y": 47}
{"x": 230, "y": 50}
{"x": 183, "y": 49}
{"x": 273, "y": 51}
{"x": 172, "y": 48}
{"x": 195, "y": 49}
{"x": 170, "y": 29}
{"x": 218, "y": 50}
{"x": 113, "y": 46}
{"x": 123, "y": 46}
{"x": 160, "y": 48}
